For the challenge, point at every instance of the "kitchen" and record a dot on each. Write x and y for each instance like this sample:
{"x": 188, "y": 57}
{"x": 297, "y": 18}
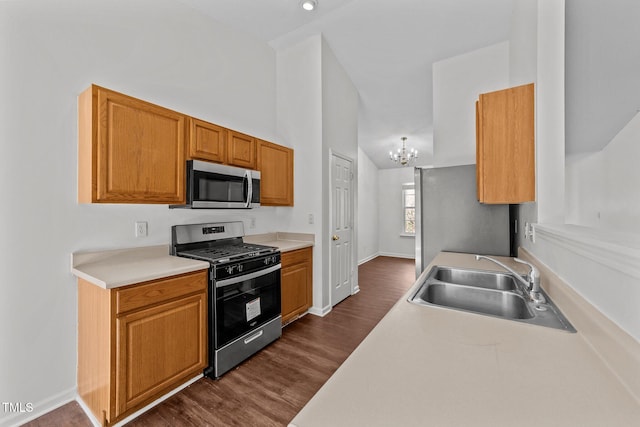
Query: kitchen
{"x": 50, "y": 64}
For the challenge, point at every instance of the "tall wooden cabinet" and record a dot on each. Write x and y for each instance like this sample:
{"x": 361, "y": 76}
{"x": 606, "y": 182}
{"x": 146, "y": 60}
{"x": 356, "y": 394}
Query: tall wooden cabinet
{"x": 138, "y": 342}
{"x": 505, "y": 146}
{"x": 123, "y": 143}
{"x": 275, "y": 164}
{"x": 297, "y": 283}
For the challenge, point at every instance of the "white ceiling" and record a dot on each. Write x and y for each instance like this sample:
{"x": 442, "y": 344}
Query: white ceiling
{"x": 387, "y": 47}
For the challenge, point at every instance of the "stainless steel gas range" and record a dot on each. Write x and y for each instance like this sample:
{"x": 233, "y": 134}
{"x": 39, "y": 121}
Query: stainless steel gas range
{"x": 244, "y": 290}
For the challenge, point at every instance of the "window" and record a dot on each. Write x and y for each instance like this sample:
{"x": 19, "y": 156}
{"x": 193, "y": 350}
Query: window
{"x": 409, "y": 209}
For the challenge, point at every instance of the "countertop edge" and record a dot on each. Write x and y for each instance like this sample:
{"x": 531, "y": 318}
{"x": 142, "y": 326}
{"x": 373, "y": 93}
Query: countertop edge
{"x": 111, "y": 269}
{"x": 284, "y": 241}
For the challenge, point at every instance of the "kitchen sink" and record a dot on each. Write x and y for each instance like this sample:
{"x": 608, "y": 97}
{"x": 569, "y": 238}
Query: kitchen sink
{"x": 488, "y": 293}
{"x": 476, "y": 278}
{"x": 496, "y": 303}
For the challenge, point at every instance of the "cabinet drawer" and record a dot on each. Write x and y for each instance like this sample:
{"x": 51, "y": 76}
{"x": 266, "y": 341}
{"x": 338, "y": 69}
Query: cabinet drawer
{"x": 153, "y": 292}
{"x": 295, "y": 257}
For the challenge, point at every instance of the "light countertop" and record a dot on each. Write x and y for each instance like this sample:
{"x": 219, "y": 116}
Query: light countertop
{"x": 284, "y": 241}
{"x": 114, "y": 268}
{"x": 431, "y": 366}
{"x": 121, "y": 267}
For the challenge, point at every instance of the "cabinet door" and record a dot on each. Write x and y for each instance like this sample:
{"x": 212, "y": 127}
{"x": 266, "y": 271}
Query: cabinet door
{"x": 158, "y": 348}
{"x": 207, "y": 141}
{"x": 275, "y": 164}
{"x": 130, "y": 151}
{"x": 241, "y": 150}
{"x": 297, "y": 283}
{"x": 505, "y": 153}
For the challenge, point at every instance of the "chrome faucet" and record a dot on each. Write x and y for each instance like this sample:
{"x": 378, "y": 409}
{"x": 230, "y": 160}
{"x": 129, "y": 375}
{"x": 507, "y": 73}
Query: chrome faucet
{"x": 532, "y": 284}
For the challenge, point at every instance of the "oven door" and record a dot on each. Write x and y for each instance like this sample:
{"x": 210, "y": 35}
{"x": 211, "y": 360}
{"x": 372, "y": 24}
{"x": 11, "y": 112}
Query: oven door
{"x": 245, "y": 302}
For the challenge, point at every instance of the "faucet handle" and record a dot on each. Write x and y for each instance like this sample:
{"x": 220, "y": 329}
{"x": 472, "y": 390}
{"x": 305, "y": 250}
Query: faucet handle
{"x": 534, "y": 274}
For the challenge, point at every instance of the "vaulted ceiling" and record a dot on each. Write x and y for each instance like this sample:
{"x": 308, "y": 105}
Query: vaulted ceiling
{"x": 387, "y": 47}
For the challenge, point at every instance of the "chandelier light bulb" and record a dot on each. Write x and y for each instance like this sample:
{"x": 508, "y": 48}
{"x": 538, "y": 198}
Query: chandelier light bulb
{"x": 404, "y": 156}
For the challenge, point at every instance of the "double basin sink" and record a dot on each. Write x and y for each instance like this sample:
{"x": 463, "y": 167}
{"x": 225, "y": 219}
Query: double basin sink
{"x": 489, "y": 293}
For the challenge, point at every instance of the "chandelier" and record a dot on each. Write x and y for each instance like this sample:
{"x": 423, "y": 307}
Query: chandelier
{"x": 403, "y": 156}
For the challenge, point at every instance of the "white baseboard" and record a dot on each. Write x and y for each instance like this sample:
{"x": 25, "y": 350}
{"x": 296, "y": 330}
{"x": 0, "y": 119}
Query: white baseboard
{"x": 157, "y": 401}
{"x": 320, "y": 311}
{"x": 369, "y": 258}
{"x": 139, "y": 412}
{"x": 389, "y": 254}
{"x": 396, "y": 255}
{"x": 88, "y": 412}
{"x": 39, "y": 408}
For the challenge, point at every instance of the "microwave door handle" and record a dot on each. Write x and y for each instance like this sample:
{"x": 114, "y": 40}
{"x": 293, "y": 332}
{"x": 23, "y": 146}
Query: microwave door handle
{"x": 247, "y": 176}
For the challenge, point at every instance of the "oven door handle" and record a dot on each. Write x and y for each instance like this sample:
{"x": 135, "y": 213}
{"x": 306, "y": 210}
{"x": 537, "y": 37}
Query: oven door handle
{"x": 233, "y": 280}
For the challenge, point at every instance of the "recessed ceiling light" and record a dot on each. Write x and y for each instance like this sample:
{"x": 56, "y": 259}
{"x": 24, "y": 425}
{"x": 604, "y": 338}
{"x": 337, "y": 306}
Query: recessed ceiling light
{"x": 309, "y": 4}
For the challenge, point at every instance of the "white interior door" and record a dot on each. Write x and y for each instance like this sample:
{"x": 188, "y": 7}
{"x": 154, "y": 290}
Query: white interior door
{"x": 342, "y": 228}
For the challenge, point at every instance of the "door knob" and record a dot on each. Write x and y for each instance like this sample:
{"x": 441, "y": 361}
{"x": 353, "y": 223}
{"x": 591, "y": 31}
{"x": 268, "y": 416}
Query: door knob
{"x": 335, "y": 237}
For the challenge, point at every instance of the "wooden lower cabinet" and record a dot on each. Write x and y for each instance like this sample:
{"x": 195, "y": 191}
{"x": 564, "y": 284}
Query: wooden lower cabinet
{"x": 297, "y": 283}
{"x": 138, "y": 342}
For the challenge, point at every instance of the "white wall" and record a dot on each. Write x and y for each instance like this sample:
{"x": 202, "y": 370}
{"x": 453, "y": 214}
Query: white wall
{"x": 339, "y": 136}
{"x": 299, "y": 118}
{"x": 523, "y": 69}
{"x": 537, "y": 54}
{"x": 317, "y": 111}
{"x": 157, "y": 50}
{"x": 550, "y": 147}
{"x": 583, "y": 189}
{"x": 390, "y": 212}
{"x": 621, "y": 198}
{"x": 597, "y": 267}
{"x": 368, "y": 199}
{"x": 455, "y": 92}
{"x": 602, "y": 187}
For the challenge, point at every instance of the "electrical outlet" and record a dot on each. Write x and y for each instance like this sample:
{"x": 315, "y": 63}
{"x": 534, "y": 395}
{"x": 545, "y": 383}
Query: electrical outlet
{"x": 310, "y": 218}
{"x": 141, "y": 229}
{"x": 252, "y": 223}
{"x": 529, "y": 232}
{"x": 532, "y": 233}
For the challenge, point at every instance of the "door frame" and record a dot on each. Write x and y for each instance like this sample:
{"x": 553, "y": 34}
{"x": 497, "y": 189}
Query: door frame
{"x": 354, "y": 271}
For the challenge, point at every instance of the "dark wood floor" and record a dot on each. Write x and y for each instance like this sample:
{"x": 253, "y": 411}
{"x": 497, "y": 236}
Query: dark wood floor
{"x": 272, "y": 387}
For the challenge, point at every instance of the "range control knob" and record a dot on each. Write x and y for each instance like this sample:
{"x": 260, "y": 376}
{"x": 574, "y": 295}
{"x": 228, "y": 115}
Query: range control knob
{"x": 240, "y": 267}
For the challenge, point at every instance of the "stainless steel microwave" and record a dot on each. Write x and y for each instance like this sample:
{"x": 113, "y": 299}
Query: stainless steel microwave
{"x": 216, "y": 186}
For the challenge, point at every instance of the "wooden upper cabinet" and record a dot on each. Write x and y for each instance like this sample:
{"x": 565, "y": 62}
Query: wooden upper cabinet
{"x": 207, "y": 141}
{"x": 505, "y": 146}
{"x": 241, "y": 150}
{"x": 130, "y": 151}
{"x": 275, "y": 164}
